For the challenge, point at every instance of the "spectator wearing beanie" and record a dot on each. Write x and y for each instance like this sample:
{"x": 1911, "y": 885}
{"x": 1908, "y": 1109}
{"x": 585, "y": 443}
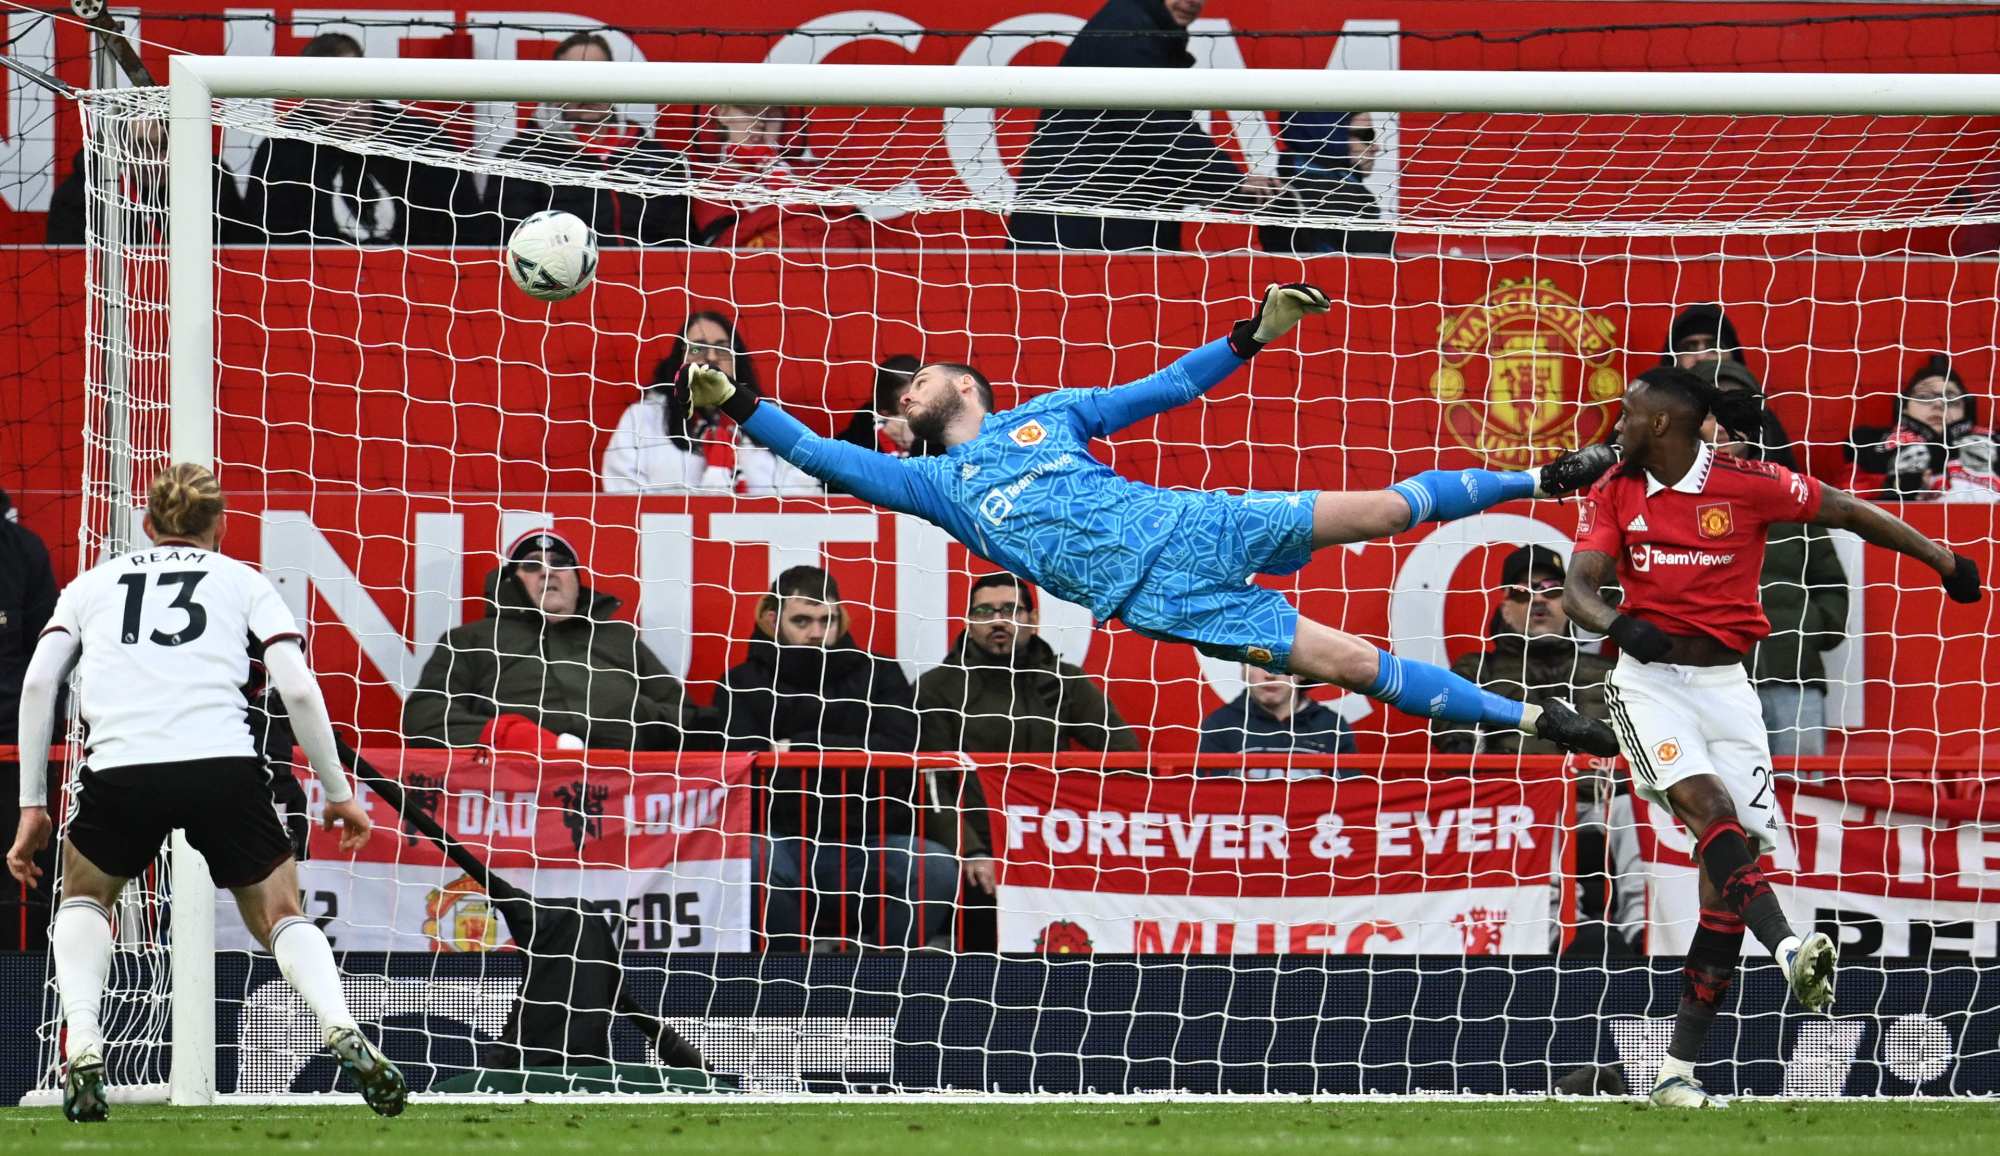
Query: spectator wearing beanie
{"x": 549, "y": 668}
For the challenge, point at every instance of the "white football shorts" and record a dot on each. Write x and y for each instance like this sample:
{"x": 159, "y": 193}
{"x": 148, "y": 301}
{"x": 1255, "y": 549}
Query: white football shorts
{"x": 1676, "y": 722}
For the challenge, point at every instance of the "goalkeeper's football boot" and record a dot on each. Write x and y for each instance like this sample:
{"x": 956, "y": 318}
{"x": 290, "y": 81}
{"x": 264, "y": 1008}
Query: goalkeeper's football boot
{"x": 1808, "y": 965}
{"x": 1575, "y": 470}
{"x": 1683, "y": 1092}
{"x": 84, "y": 1098}
{"x": 381, "y": 1082}
{"x": 1563, "y": 726}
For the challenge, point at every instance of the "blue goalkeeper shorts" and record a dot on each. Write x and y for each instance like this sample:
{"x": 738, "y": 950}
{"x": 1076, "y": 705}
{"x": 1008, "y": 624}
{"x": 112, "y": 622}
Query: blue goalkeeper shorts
{"x": 1198, "y": 590}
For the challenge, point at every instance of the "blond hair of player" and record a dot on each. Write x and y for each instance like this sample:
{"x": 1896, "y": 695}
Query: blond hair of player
{"x": 162, "y": 639}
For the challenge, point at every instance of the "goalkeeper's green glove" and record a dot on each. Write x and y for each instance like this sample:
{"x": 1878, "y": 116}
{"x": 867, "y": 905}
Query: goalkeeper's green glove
{"x": 708, "y": 387}
{"x": 1283, "y": 307}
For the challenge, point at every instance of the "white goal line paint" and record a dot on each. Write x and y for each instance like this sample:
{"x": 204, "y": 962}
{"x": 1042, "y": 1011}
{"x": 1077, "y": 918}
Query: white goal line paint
{"x": 709, "y": 1100}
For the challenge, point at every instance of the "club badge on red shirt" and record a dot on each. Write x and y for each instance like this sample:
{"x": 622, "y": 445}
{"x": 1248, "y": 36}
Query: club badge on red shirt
{"x": 1714, "y": 520}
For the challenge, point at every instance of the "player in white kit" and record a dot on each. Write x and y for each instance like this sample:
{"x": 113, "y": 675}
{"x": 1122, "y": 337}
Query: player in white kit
{"x": 162, "y": 640}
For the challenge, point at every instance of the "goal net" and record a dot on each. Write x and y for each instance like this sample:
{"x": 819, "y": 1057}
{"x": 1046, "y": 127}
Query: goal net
{"x": 1083, "y": 903}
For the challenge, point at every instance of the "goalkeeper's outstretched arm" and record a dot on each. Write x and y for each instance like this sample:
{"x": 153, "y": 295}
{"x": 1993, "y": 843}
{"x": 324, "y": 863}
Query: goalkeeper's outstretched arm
{"x": 1203, "y": 369}
{"x": 874, "y": 477}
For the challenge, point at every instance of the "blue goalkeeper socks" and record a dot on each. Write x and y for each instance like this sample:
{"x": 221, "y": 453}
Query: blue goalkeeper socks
{"x": 1428, "y": 691}
{"x": 1444, "y": 495}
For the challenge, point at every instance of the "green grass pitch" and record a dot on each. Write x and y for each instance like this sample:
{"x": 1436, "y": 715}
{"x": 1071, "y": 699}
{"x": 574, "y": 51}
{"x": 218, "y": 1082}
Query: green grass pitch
{"x": 1612, "y": 1128}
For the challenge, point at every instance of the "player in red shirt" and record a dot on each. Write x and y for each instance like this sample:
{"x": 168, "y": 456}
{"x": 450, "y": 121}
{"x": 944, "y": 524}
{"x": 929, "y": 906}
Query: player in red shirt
{"x": 1681, "y": 528}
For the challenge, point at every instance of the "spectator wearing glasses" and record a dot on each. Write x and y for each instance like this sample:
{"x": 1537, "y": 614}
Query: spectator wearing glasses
{"x": 1936, "y": 450}
{"x": 1002, "y": 689}
{"x": 1532, "y": 656}
{"x": 662, "y": 447}
{"x": 548, "y": 668}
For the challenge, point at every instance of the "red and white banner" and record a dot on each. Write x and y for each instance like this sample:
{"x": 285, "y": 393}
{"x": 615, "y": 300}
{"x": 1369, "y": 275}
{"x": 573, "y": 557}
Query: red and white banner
{"x": 666, "y": 854}
{"x": 1133, "y": 863}
{"x": 1907, "y": 875}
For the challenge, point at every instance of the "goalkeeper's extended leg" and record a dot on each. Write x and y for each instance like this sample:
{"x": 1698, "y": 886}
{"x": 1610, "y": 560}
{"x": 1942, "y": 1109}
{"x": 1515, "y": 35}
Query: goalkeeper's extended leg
{"x": 1324, "y": 654}
{"x": 1446, "y": 495}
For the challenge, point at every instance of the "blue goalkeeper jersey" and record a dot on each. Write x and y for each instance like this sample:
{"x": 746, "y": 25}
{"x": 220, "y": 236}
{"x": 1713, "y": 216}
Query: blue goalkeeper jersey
{"x": 1026, "y": 493}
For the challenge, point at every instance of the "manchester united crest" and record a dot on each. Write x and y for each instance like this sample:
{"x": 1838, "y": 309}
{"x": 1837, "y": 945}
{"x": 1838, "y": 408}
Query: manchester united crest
{"x": 459, "y": 917}
{"x": 1526, "y": 374}
{"x": 1714, "y": 520}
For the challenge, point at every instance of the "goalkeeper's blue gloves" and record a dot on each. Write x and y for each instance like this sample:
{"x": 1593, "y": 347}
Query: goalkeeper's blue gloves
{"x": 1283, "y": 307}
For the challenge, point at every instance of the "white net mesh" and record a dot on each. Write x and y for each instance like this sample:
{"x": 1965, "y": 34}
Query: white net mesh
{"x": 393, "y": 417}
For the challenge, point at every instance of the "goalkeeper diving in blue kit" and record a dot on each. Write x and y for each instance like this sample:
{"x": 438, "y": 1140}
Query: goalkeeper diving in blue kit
{"x": 1022, "y": 489}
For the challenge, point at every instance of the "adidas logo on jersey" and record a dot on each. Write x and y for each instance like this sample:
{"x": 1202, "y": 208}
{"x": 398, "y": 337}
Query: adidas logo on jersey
{"x": 968, "y": 471}
{"x": 1637, "y": 525}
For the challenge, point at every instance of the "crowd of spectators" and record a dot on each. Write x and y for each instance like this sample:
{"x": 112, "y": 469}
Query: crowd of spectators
{"x": 550, "y": 666}
{"x": 302, "y": 189}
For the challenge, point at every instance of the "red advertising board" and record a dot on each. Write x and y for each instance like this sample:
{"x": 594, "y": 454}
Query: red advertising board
{"x": 662, "y": 848}
{"x": 1905, "y": 876}
{"x": 1217, "y": 865}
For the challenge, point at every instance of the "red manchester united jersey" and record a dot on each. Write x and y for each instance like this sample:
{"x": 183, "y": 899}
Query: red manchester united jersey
{"x": 1689, "y": 554}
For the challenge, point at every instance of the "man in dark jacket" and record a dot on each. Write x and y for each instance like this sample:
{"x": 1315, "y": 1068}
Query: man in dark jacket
{"x": 1274, "y": 714}
{"x": 1102, "y": 160}
{"x": 1001, "y": 689}
{"x": 1704, "y": 341}
{"x": 1805, "y": 597}
{"x": 588, "y": 136}
{"x": 27, "y": 598}
{"x": 302, "y": 192}
{"x": 141, "y": 195}
{"x": 805, "y": 685}
{"x": 1804, "y": 591}
{"x": 1533, "y": 656}
{"x": 549, "y": 668}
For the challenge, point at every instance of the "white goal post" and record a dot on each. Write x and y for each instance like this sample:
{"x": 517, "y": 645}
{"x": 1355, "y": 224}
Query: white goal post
{"x": 197, "y": 83}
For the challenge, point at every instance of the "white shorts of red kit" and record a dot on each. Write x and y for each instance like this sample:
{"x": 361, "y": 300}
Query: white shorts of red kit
{"x": 1676, "y": 722}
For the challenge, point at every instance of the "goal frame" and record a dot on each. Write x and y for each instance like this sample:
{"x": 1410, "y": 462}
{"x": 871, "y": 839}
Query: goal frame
{"x": 194, "y": 82}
